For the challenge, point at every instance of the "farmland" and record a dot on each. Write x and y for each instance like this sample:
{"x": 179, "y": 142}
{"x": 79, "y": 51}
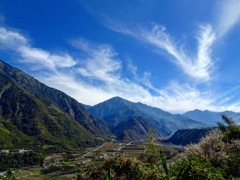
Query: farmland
{"x": 68, "y": 164}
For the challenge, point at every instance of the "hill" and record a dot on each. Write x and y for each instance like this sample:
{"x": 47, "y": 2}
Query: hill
{"x": 117, "y": 109}
{"x": 33, "y": 113}
{"x": 187, "y": 136}
{"x": 135, "y": 128}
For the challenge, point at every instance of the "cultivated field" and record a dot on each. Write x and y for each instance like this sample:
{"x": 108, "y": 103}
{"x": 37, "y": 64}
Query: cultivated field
{"x": 59, "y": 167}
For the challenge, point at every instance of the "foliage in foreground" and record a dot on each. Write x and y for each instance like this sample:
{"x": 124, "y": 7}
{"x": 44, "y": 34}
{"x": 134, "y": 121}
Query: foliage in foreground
{"x": 221, "y": 147}
{"x": 195, "y": 168}
{"x": 121, "y": 168}
{"x": 10, "y": 174}
{"x": 215, "y": 157}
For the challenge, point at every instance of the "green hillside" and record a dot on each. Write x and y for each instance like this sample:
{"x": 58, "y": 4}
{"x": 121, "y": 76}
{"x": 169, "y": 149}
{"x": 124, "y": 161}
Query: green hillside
{"x": 188, "y": 136}
{"x": 33, "y": 114}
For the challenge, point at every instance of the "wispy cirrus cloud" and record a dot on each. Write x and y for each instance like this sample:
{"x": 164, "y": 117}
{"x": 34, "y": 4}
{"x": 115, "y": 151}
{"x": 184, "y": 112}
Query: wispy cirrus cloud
{"x": 11, "y": 38}
{"x": 100, "y": 61}
{"x": 143, "y": 79}
{"x": 227, "y": 15}
{"x": 100, "y": 64}
{"x": 15, "y": 41}
{"x": 199, "y": 65}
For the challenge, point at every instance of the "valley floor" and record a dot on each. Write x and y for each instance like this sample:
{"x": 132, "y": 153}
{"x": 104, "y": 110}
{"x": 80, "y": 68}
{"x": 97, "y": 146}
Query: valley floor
{"x": 57, "y": 166}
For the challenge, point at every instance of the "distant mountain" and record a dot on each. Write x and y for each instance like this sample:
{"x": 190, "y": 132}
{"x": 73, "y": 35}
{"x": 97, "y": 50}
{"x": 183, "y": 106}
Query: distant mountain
{"x": 187, "y": 136}
{"x": 135, "y": 128}
{"x": 86, "y": 106}
{"x": 210, "y": 117}
{"x": 117, "y": 109}
{"x": 43, "y": 115}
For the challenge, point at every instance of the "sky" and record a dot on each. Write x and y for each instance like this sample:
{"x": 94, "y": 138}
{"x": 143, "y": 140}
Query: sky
{"x": 174, "y": 55}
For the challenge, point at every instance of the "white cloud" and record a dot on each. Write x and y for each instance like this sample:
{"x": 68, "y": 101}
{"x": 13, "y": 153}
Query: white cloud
{"x": 76, "y": 88}
{"x": 228, "y": 16}
{"x": 11, "y": 39}
{"x": 144, "y": 79}
{"x": 45, "y": 58}
{"x": 203, "y": 63}
{"x": 100, "y": 64}
{"x": 198, "y": 66}
{"x": 15, "y": 41}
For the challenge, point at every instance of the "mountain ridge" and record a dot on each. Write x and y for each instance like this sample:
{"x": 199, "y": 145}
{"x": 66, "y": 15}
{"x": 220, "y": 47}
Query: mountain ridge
{"x": 135, "y": 128}
{"x": 211, "y": 117}
{"x": 185, "y": 137}
{"x": 42, "y": 114}
{"x": 60, "y": 99}
{"x": 117, "y": 109}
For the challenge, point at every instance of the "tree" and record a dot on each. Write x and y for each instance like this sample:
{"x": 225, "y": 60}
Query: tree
{"x": 151, "y": 149}
{"x": 229, "y": 128}
{"x": 221, "y": 147}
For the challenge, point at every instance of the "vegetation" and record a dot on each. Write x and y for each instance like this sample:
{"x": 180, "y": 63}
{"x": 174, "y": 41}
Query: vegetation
{"x": 215, "y": 157}
{"x": 221, "y": 147}
{"x": 230, "y": 129}
{"x": 10, "y": 174}
{"x": 135, "y": 128}
{"x": 32, "y": 114}
{"x": 18, "y": 160}
{"x": 35, "y": 116}
{"x": 187, "y": 136}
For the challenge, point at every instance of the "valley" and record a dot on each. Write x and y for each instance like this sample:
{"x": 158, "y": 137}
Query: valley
{"x": 46, "y": 134}
{"x": 69, "y": 167}
{"x": 119, "y": 90}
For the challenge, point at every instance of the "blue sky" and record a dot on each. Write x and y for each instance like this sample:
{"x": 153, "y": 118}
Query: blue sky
{"x": 178, "y": 55}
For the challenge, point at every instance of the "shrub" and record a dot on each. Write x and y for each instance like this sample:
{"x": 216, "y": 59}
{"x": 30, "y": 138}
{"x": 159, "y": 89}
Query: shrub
{"x": 195, "y": 168}
{"x": 122, "y": 168}
{"x": 220, "y": 153}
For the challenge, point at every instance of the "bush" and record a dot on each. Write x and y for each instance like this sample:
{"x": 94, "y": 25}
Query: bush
{"x": 220, "y": 153}
{"x": 122, "y": 168}
{"x": 195, "y": 168}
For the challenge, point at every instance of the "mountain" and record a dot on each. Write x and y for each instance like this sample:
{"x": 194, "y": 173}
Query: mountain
{"x": 211, "y": 117}
{"x": 135, "y": 128}
{"x": 86, "y": 106}
{"x": 43, "y": 115}
{"x": 117, "y": 109}
{"x": 187, "y": 136}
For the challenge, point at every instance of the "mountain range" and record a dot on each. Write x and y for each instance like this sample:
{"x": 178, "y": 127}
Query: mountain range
{"x": 117, "y": 109}
{"x": 32, "y": 113}
{"x": 210, "y": 117}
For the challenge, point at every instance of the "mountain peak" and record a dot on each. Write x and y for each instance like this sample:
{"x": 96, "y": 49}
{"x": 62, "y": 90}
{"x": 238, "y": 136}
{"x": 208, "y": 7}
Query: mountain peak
{"x": 117, "y": 98}
{"x": 117, "y": 109}
{"x": 44, "y": 114}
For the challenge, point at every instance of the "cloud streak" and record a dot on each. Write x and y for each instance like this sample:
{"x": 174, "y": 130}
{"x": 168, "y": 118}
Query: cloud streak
{"x": 228, "y": 15}
{"x": 15, "y": 41}
{"x": 97, "y": 75}
{"x": 199, "y": 66}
